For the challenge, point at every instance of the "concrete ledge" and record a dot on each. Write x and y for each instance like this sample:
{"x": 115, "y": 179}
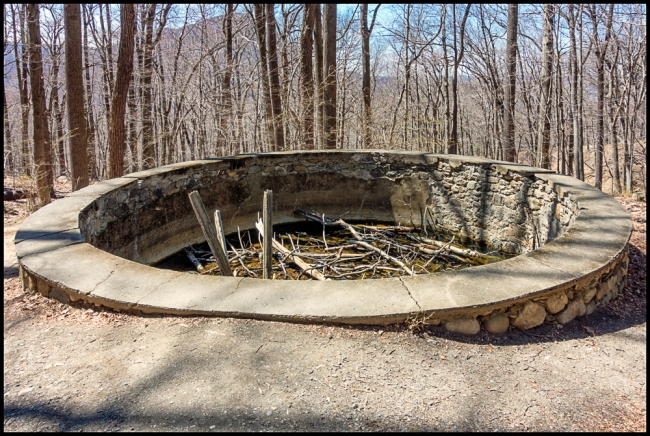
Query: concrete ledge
{"x": 572, "y": 239}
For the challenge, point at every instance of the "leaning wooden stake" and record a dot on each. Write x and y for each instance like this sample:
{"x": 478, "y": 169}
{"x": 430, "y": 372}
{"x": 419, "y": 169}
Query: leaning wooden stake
{"x": 267, "y": 221}
{"x": 218, "y": 225}
{"x": 210, "y": 234}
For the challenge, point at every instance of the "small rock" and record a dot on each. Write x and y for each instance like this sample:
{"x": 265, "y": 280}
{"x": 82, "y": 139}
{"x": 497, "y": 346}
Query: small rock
{"x": 573, "y": 309}
{"x": 531, "y": 315}
{"x": 212, "y": 427}
{"x": 601, "y": 291}
{"x": 556, "y": 302}
{"x": 613, "y": 280}
{"x": 589, "y": 294}
{"x": 466, "y": 326}
{"x": 605, "y": 299}
{"x": 589, "y": 308}
{"x": 497, "y": 323}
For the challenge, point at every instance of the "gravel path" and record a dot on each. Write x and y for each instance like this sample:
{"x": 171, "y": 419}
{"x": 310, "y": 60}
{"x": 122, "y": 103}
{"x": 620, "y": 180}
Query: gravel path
{"x": 78, "y": 368}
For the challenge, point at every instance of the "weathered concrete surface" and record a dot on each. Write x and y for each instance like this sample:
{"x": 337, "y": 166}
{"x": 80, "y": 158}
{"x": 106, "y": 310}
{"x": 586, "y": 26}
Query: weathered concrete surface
{"x": 583, "y": 235}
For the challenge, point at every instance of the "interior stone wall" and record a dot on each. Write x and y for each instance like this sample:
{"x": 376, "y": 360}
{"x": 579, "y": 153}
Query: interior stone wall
{"x": 496, "y": 207}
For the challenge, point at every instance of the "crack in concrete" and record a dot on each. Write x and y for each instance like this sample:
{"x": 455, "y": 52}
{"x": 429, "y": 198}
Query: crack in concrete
{"x": 154, "y": 289}
{"x": 409, "y": 292}
{"x": 97, "y": 285}
{"x": 237, "y": 287}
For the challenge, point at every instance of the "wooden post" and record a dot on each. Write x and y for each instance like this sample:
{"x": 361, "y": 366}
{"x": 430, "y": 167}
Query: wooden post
{"x": 210, "y": 234}
{"x": 218, "y": 225}
{"x": 267, "y": 220}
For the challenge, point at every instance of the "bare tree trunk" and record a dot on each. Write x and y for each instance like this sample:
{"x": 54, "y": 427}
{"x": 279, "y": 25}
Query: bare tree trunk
{"x": 614, "y": 114}
{"x": 260, "y": 28}
{"x": 407, "y": 75}
{"x": 452, "y": 147}
{"x": 565, "y": 163}
{"x": 90, "y": 126}
{"x": 575, "y": 144}
{"x": 226, "y": 94}
{"x": 329, "y": 89}
{"x": 508, "y": 131}
{"x": 41, "y": 130}
{"x": 544, "y": 122}
{"x": 57, "y": 121}
{"x": 116, "y": 133}
{"x": 445, "y": 56}
{"x": 274, "y": 77}
{"x": 22, "y": 72}
{"x": 600, "y": 49}
{"x": 307, "y": 75}
{"x": 75, "y": 97}
{"x": 148, "y": 151}
{"x": 366, "y": 31}
{"x": 579, "y": 97}
{"x": 7, "y": 136}
{"x": 318, "y": 44}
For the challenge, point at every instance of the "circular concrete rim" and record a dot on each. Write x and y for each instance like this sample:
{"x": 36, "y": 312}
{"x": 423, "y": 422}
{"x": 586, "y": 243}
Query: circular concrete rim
{"x": 51, "y": 249}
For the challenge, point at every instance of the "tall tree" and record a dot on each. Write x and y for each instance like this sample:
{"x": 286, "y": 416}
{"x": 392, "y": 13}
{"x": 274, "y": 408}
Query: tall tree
{"x": 22, "y": 72}
{"x": 7, "y": 124}
{"x": 614, "y": 111}
{"x": 600, "y": 50}
{"x": 544, "y": 121}
{"x": 149, "y": 44}
{"x": 452, "y": 147}
{"x": 90, "y": 113}
{"x": 366, "y": 31}
{"x": 307, "y": 75}
{"x": 260, "y": 30}
{"x": 75, "y": 96}
{"x": 274, "y": 76}
{"x": 329, "y": 88}
{"x": 117, "y": 133}
{"x": 226, "y": 93}
{"x": 508, "y": 131}
{"x": 578, "y": 165}
{"x": 41, "y": 130}
{"x": 318, "y": 49}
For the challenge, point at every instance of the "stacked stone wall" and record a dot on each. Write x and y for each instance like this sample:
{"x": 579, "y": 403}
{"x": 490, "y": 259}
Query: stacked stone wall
{"x": 501, "y": 210}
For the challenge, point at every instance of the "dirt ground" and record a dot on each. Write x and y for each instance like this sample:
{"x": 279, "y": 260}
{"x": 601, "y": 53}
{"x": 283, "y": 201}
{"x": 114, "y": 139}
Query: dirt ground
{"x": 82, "y": 369}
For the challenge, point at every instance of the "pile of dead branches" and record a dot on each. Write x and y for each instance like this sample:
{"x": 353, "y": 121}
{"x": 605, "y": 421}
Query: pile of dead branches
{"x": 344, "y": 251}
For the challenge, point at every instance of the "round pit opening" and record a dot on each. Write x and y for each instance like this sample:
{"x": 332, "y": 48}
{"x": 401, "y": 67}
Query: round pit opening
{"x": 570, "y": 239}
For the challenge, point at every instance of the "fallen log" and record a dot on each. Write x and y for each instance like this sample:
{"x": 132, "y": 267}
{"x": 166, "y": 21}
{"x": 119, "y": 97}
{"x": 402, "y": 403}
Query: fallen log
{"x": 13, "y": 195}
{"x": 200, "y": 268}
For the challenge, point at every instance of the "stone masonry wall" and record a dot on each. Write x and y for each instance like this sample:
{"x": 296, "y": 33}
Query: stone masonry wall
{"x": 560, "y": 306}
{"x": 502, "y": 210}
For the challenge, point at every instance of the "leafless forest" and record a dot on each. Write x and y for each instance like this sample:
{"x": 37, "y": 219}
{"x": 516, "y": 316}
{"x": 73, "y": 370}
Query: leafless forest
{"x": 95, "y": 91}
